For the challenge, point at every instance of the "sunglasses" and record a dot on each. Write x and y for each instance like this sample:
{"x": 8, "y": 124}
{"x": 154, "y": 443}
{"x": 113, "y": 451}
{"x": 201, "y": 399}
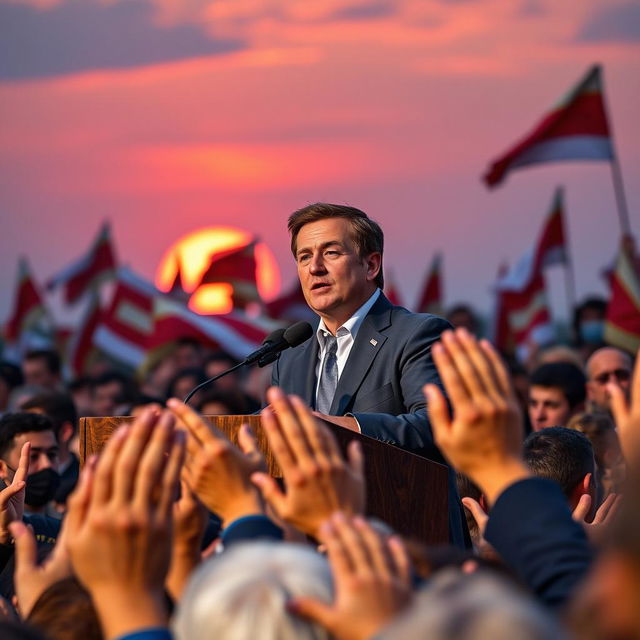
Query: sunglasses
{"x": 621, "y": 375}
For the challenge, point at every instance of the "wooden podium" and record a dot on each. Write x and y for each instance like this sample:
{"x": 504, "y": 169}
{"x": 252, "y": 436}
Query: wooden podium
{"x": 408, "y": 492}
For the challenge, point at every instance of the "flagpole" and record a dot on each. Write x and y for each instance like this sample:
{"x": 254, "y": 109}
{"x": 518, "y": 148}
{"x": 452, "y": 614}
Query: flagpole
{"x": 621, "y": 201}
{"x": 570, "y": 287}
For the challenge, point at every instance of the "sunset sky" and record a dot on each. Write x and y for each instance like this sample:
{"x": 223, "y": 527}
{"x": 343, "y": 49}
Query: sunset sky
{"x": 164, "y": 116}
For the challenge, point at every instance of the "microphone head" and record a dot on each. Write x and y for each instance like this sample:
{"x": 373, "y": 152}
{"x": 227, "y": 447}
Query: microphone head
{"x": 274, "y": 337}
{"x": 297, "y": 333}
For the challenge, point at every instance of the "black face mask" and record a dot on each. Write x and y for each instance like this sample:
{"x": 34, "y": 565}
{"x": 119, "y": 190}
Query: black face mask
{"x": 41, "y": 487}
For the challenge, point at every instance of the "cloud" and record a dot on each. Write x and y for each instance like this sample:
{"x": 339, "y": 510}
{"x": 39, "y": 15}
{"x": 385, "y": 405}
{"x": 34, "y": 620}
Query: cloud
{"x": 82, "y": 35}
{"x": 364, "y": 11}
{"x": 620, "y": 23}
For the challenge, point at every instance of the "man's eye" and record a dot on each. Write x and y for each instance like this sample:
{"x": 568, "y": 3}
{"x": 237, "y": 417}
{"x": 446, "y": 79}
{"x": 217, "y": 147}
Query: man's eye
{"x": 303, "y": 258}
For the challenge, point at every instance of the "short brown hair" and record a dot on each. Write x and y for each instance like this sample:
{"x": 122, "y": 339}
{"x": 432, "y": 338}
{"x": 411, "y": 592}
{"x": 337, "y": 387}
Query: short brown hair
{"x": 365, "y": 233}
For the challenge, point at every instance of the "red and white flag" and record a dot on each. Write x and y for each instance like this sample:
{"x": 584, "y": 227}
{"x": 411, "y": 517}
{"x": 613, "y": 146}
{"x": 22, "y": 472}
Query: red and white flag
{"x": 234, "y": 333}
{"x": 28, "y": 305}
{"x": 94, "y": 268}
{"x": 576, "y": 128}
{"x": 430, "y": 300}
{"x": 80, "y": 347}
{"x": 236, "y": 267}
{"x": 126, "y": 326}
{"x": 622, "y": 325}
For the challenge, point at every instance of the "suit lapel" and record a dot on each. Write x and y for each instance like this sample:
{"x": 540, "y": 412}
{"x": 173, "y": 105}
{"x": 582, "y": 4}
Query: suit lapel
{"x": 304, "y": 385}
{"x": 365, "y": 348}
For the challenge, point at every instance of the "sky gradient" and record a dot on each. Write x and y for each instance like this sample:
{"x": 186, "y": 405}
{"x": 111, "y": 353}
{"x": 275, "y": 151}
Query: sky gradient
{"x": 164, "y": 116}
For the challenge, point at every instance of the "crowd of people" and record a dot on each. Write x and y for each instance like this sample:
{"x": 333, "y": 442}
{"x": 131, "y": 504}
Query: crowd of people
{"x": 173, "y": 531}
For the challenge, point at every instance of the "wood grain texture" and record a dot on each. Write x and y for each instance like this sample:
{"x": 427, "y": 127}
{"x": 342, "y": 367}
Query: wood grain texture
{"x": 406, "y": 491}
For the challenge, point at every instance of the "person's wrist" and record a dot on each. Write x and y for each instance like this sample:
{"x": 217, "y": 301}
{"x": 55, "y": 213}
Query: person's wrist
{"x": 248, "y": 505}
{"x": 124, "y": 609}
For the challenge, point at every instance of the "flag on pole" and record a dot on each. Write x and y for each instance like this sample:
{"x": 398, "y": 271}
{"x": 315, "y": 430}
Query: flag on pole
{"x": 430, "y": 300}
{"x": 391, "y": 289}
{"x": 576, "y": 128}
{"x": 124, "y": 329}
{"x": 622, "y": 323}
{"x": 80, "y": 347}
{"x": 177, "y": 290}
{"x": 94, "y": 268}
{"x": 552, "y": 243}
{"x": 28, "y": 305}
{"x": 236, "y": 267}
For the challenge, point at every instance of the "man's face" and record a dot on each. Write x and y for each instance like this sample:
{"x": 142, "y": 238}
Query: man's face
{"x": 548, "y": 407}
{"x": 44, "y": 454}
{"x": 607, "y": 366}
{"x": 106, "y": 398}
{"x": 334, "y": 280}
{"x": 37, "y": 374}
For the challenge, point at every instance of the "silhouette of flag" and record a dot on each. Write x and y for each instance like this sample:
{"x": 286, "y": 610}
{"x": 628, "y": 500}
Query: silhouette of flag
{"x": 430, "y": 300}
{"x": 80, "y": 347}
{"x": 95, "y": 267}
{"x": 28, "y": 306}
{"x": 622, "y": 325}
{"x": 236, "y": 267}
{"x": 576, "y": 128}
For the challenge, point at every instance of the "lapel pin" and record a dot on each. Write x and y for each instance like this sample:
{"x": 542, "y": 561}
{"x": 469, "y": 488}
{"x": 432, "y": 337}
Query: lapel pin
{"x": 373, "y": 341}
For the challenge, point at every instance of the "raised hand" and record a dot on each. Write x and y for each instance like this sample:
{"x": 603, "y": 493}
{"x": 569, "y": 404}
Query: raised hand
{"x": 318, "y": 480}
{"x": 12, "y": 497}
{"x": 218, "y": 472}
{"x": 483, "y": 439}
{"x": 598, "y": 528}
{"x": 372, "y": 577}
{"x": 627, "y": 416}
{"x": 120, "y": 523}
{"x": 31, "y": 580}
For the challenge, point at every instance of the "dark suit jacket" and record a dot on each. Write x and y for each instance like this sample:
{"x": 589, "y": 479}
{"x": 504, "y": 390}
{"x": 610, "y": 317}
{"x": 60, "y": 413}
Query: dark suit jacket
{"x": 531, "y": 527}
{"x": 381, "y": 383}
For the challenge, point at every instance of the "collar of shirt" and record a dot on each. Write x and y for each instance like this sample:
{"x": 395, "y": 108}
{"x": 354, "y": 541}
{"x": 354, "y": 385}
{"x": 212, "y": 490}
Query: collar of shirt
{"x": 346, "y": 333}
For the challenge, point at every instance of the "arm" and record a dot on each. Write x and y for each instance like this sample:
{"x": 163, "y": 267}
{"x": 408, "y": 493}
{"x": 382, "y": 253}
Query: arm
{"x": 410, "y": 428}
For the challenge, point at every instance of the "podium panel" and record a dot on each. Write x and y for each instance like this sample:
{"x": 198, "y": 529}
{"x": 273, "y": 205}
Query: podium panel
{"x": 404, "y": 490}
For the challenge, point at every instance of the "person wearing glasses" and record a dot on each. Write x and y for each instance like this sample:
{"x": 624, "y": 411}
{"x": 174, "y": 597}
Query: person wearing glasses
{"x": 607, "y": 365}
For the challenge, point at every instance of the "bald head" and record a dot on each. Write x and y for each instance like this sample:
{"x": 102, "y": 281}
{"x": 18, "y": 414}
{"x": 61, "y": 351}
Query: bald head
{"x": 607, "y": 365}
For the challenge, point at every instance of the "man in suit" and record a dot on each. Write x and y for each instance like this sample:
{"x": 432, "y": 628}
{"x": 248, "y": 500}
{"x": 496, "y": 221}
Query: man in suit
{"x": 366, "y": 365}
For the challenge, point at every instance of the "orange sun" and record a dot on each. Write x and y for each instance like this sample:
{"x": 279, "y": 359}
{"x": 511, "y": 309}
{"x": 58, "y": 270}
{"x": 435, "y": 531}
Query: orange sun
{"x": 192, "y": 254}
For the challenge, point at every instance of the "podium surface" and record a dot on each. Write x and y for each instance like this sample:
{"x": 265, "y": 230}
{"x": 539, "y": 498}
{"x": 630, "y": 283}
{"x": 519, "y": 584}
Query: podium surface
{"x": 408, "y": 492}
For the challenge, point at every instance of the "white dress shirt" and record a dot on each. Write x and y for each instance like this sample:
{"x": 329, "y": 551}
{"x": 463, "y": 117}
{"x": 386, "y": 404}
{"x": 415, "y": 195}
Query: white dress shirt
{"x": 345, "y": 334}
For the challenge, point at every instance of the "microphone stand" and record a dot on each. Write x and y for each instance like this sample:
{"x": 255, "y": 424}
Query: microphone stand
{"x": 210, "y": 380}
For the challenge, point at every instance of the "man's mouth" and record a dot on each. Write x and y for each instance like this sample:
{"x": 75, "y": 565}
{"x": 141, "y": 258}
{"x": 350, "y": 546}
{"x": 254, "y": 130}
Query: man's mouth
{"x": 319, "y": 285}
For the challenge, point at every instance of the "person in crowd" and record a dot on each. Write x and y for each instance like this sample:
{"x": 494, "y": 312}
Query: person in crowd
{"x": 462, "y": 315}
{"x": 557, "y": 392}
{"x": 221, "y": 403}
{"x": 601, "y": 431}
{"x": 42, "y": 479}
{"x": 42, "y": 368}
{"x": 184, "y": 381}
{"x": 188, "y": 354}
{"x": 10, "y": 379}
{"x": 80, "y": 390}
{"x": 605, "y": 366}
{"x": 111, "y": 393}
{"x": 368, "y": 360}
{"x": 588, "y": 326}
{"x": 566, "y": 457}
{"x": 60, "y": 409}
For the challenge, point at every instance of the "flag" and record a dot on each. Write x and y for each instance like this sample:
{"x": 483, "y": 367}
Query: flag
{"x": 391, "y": 289}
{"x": 125, "y": 327}
{"x": 576, "y": 128}
{"x": 234, "y": 333}
{"x": 622, "y": 323}
{"x": 177, "y": 290}
{"x": 291, "y": 306}
{"x": 94, "y": 268}
{"x": 28, "y": 305}
{"x": 236, "y": 267}
{"x": 552, "y": 243}
{"x": 430, "y": 300}
{"x": 80, "y": 347}
{"x": 523, "y": 316}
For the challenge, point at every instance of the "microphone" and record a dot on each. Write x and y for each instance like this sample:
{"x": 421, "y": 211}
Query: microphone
{"x": 273, "y": 344}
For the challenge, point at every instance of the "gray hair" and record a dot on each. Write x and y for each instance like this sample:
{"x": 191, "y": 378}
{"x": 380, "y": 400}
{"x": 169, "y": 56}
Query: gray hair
{"x": 242, "y": 594}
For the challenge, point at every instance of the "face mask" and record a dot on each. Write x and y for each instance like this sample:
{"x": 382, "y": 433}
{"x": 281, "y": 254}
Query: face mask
{"x": 592, "y": 331}
{"x": 41, "y": 487}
